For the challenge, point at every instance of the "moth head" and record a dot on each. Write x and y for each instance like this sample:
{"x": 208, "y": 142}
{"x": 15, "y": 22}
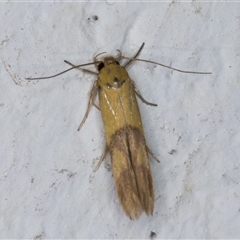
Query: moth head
{"x": 107, "y": 61}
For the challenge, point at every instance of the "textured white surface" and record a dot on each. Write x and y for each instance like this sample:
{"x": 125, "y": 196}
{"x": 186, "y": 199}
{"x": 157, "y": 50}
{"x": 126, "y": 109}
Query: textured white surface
{"x": 48, "y": 188}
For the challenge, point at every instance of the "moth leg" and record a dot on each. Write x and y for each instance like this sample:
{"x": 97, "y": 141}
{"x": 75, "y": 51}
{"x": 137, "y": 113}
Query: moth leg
{"x": 90, "y": 103}
{"x": 94, "y": 104}
{"x": 152, "y": 154}
{"x": 82, "y": 69}
{"x": 132, "y": 59}
{"x": 101, "y": 158}
{"x": 141, "y": 97}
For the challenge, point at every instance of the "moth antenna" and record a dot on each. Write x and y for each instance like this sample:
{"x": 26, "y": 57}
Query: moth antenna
{"x": 134, "y": 57}
{"x": 95, "y": 57}
{"x": 82, "y": 69}
{"x": 119, "y": 57}
{"x": 52, "y": 76}
{"x": 160, "y": 64}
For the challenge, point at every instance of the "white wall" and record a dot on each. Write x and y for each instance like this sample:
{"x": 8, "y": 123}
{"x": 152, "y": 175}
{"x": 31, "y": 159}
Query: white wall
{"x": 48, "y": 188}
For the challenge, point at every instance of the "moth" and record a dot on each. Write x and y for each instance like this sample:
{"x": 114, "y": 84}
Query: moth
{"x": 124, "y": 132}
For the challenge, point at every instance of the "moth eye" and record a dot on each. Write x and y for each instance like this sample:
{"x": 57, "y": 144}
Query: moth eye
{"x": 100, "y": 66}
{"x": 117, "y": 62}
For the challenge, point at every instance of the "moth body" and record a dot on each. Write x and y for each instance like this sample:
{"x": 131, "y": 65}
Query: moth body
{"x": 125, "y": 140}
{"x": 124, "y": 133}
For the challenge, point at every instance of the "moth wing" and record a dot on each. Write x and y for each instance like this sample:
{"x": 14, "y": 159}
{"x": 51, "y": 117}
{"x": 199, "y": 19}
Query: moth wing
{"x": 142, "y": 170}
{"x": 132, "y": 172}
{"x": 124, "y": 176}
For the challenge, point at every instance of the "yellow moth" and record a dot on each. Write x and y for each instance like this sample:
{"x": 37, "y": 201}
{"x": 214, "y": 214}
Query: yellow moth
{"x": 124, "y": 132}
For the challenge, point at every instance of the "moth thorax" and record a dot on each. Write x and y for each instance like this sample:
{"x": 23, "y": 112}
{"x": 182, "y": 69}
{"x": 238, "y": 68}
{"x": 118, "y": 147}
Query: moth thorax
{"x": 117, "y": 83}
